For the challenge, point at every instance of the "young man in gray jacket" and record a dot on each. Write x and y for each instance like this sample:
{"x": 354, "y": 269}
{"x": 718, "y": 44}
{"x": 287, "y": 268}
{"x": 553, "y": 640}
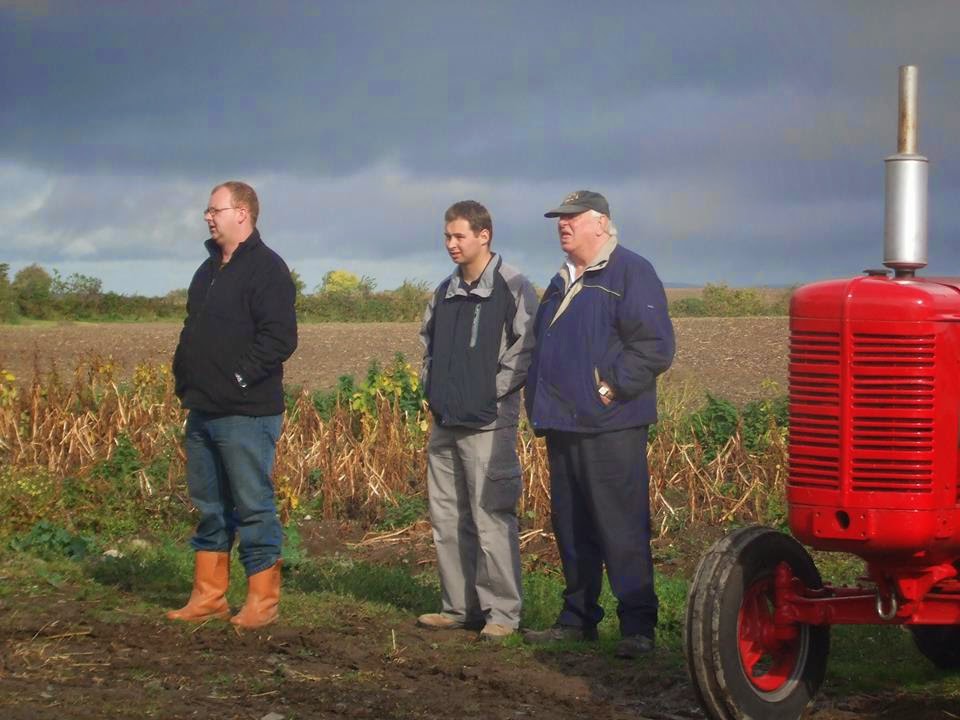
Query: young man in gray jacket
{"x": 477, "y": 343}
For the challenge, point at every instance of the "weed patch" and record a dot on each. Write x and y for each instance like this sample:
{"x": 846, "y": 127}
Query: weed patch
{"x": 407, "y": 510}
{"x": 368, "y": 582}
{"x": 48, "y": 540}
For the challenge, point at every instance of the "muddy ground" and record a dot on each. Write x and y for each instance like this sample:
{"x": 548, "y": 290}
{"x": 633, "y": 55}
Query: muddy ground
{"x": 735, "y": 358}
{"x": 60, "y": 660}
{"x": 74, "y": 649}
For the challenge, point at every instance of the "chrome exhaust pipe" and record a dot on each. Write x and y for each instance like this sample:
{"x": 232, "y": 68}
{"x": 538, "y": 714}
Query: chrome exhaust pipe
{"x": 905, "y": 215}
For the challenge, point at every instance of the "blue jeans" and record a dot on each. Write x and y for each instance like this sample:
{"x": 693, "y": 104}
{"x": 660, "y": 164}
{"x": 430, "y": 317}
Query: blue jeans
{"x": 229, "y": 461}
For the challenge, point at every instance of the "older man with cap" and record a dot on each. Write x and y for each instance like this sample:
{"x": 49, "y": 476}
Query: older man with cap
{"x": 602, "y": 337}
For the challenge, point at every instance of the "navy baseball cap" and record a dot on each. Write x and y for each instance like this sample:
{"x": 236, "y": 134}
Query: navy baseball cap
{"x": 580, "y": 201}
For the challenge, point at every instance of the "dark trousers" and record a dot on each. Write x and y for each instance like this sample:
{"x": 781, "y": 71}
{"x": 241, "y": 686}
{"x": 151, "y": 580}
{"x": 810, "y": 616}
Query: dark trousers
{"x": 601, "y": 516}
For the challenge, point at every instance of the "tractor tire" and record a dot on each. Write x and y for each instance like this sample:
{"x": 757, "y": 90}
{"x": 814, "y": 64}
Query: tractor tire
{"x": 736, "y": 669}
{"x": 940, "y": 644}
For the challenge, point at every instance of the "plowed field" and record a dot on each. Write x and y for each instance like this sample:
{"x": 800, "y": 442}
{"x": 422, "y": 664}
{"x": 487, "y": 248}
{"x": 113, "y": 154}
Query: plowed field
{"x": 735, "y": 358}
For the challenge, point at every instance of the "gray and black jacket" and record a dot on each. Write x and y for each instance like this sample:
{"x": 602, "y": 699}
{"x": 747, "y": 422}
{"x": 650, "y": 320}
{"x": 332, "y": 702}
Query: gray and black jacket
{"x": 477, "y": 343}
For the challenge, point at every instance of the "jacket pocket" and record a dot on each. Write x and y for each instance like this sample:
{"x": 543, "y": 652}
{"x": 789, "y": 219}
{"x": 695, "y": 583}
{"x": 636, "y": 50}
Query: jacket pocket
{"x": 223, "y": 386}
{"x": 180, "y": 366}
{"x": 596, "y": 388}
{"x": 593, "y": 404}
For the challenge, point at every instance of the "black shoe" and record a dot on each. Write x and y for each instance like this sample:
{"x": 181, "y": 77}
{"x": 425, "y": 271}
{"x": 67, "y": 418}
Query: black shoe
{"x": 633, "y": 646}
{"x": 560, "y": 633}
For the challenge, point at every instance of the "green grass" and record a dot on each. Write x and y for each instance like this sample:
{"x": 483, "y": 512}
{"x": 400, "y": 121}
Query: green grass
{"x": 339, "y": 591}
{"x": 869, "y": 658}
{"x": 364, "y": 582}
{"x": 542, "y": 603}
{"x": 838, "y": 568}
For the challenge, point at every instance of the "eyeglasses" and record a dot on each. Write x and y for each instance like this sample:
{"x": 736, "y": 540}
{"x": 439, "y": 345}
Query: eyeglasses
{"x": 212, "y": 211}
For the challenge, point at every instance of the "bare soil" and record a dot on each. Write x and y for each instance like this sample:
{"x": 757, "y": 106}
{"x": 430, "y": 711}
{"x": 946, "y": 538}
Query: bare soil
{"x": 67, "y": 651}
{"x": 60, "y": 659}
{"x": 736, "y": 358}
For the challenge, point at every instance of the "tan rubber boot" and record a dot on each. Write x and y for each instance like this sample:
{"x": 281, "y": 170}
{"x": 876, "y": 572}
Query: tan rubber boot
{"x": 494, "y": 632}
{"x": 262, "y": 606}
{"x": 441, "y": 621}
{"x": 211, "y": 576}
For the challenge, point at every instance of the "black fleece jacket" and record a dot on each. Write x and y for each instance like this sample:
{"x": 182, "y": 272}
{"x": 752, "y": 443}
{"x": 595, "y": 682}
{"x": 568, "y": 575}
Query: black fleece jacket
{"x": 240, "y": 321}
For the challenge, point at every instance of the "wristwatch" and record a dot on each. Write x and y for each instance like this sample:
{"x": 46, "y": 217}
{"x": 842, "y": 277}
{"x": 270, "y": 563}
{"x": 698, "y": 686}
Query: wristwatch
{"x": 603, "y": 390}
{"x": 240, "y": 381}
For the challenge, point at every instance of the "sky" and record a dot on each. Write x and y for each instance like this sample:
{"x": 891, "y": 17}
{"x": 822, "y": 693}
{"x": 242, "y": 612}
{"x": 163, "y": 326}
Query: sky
{"x": 737, "y": 142}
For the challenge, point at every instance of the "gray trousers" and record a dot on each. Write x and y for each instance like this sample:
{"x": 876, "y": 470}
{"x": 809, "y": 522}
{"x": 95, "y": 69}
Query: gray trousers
{"x": 474, "y": 483}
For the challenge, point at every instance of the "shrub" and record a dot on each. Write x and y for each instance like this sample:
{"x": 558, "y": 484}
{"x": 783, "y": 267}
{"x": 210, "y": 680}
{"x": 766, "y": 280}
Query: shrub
{"x": 723, "y": 301}
{"x": 719, "y": 420}
{"x": 714, "y": 425}
{"x": 9, "y": 311}
{"x": 31, "y": 288}
{"x": 398, "y": 384}
{"x": 8, "y": 387}
{"x": 362, "y": 304}
{"x": 49, "y": 540}
{"x": 344, "y": 282}
{"x": 407, "y": 510}
{"x": 123, "y": 462}
{"x": 326, "y": 401}
{"x": 688, "y": 307}
{"x": 761, "y": 419}
{"x": 26, "y": 496}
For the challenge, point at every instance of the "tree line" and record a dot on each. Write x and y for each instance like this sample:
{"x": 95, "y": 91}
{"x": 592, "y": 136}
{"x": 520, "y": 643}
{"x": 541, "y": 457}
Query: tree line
{"x": 36, "y": 294}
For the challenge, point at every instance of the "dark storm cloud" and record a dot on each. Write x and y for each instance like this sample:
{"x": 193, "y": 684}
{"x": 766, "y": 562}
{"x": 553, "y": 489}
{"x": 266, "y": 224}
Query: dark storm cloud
{"x": 735, "y": 140}
{"x": 506, "y": 89}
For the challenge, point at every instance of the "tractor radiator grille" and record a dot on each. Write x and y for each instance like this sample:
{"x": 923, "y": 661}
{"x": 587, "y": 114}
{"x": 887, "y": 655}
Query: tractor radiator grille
{"x": 892, "y": 399}
{"x": 906, "y": 351}
{"x": 814, "y": 409}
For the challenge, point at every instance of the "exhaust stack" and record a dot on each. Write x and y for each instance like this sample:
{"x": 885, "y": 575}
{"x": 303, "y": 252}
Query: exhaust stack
{"x": 905, "y": 217}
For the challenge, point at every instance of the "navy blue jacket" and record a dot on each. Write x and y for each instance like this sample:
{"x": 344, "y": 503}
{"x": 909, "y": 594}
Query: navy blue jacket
{"x": 610, "y": 324}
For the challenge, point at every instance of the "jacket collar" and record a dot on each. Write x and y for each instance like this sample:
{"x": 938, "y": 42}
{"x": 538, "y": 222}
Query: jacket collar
{"x": 252, "y": 240}
{"x": 484, "y": 288}
{"x": 598, "y": 263}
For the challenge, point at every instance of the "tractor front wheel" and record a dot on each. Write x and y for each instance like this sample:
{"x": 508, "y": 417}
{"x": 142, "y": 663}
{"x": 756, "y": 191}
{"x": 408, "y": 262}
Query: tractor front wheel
{"x": 740, "y": 668}
{"x": 940, "y": 644}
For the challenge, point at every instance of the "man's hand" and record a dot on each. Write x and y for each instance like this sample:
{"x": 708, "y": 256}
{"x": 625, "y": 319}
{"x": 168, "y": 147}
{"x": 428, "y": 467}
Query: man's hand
{"x": 606, "y": 393}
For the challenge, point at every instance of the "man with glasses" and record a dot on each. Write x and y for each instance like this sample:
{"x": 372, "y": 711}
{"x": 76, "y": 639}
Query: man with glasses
{"x": 228, "y": 366}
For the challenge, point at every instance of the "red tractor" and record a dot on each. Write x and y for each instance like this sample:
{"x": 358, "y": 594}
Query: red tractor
{"x": 874, "y": 428}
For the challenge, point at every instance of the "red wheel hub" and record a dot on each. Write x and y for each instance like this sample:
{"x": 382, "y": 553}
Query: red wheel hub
{"x": 768, "y": 662}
